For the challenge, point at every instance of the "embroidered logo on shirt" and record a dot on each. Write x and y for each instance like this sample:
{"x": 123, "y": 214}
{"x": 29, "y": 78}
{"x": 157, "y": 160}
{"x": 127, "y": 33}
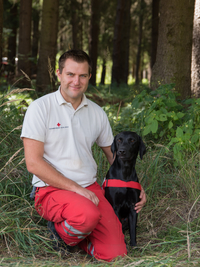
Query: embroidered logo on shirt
{"x": 58, "y": 127}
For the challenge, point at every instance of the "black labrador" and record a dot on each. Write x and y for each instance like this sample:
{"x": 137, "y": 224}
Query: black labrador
{"x": 122, "y": 189}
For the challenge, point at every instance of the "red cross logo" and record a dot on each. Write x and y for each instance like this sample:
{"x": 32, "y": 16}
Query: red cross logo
{"x": 58, "y": 124}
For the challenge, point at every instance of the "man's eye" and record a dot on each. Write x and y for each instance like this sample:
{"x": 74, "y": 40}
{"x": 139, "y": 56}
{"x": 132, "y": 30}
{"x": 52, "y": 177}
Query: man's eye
{"x": 83, "y": 76}
{"x": 70, "y": 74}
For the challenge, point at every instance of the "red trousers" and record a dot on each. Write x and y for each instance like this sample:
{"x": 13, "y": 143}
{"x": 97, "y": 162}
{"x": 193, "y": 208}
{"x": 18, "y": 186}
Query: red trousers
{"x": 77, "y": 220}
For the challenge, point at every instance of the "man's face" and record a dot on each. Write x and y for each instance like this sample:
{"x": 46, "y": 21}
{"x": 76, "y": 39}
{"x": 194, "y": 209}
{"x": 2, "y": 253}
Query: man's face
{"x": 74, "y": 81}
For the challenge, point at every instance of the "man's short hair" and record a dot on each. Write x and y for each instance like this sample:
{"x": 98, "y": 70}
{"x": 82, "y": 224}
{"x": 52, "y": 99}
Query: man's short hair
{"x": 77, "y": 55}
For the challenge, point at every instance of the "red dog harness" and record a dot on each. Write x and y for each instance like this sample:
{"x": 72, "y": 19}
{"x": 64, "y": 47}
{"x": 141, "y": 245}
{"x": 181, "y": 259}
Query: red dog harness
{"x": 120, "y": 183}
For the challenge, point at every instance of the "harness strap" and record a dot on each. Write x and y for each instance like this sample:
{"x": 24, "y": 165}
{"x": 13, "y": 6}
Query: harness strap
{"x": 120, "y": 183}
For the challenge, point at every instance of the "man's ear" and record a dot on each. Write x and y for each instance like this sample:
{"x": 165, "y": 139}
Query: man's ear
{"x": 113, "y": 148}
{"x": 142, "y": 148}
{"x": 58, "y": 73}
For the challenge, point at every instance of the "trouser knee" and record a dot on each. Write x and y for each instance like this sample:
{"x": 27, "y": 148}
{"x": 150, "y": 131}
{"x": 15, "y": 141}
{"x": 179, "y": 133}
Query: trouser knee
{"x": 78, "y": 226}
{"x": 87, "y": 220}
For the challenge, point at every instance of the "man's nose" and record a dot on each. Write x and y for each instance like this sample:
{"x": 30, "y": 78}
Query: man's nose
{"x": 76, "y": 79}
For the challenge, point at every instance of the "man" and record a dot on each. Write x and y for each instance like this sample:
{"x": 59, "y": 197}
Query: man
{"x": 58, "y": 132}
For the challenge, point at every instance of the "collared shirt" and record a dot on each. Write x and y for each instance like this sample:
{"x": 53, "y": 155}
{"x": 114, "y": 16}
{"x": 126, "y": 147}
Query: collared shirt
{"x": 68, "y": 135}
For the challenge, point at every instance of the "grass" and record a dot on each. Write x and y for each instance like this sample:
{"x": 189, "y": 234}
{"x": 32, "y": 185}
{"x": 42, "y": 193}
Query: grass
{"x": 168, "y": 231}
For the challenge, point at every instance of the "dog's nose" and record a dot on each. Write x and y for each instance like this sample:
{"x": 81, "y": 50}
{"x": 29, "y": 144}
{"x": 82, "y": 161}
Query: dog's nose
{"x": 122, "y": 152}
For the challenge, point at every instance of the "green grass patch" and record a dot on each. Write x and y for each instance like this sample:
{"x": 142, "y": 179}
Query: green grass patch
{"x": 169, "y": 225}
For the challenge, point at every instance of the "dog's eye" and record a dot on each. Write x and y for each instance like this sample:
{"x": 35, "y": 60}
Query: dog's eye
{"x": 132, "y": 140}
{"x": 119, "y": 140}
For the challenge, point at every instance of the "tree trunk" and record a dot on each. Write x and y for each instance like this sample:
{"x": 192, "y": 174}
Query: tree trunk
{"x": 103, "y": 73}
{"x": 74, "y": 22}
{"x": 48, "y": 47}
{"x": 1, "y": 30}
{"x": 12, "y": 40}
{"x": 24, "y": 50}
{"x": 154, "y": 34}
{"x": 120, "y": 68}
{"x": 94, "y": 37}
{"x": 173, "y": 59}
{"x": 195, "y": 84}
{"x": 138, "y": 58}
{"x": 36, "y": 34}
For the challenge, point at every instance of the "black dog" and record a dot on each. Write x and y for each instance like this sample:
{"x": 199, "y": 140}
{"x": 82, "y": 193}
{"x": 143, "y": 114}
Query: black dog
{"x": 122, "y": 189}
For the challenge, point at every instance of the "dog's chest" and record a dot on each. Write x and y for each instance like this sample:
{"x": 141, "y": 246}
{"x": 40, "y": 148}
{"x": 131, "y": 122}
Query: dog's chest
{"x": 122, "y": 196}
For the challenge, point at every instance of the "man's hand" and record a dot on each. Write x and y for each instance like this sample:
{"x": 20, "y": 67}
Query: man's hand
{"x": 139, "y": 205}
{"x": 88, "y": 194}
{"x": 36, "y": 164}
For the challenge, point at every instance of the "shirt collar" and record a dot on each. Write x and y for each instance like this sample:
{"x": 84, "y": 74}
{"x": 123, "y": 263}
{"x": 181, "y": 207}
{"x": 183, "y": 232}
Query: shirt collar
{"x": 61, "y": 100}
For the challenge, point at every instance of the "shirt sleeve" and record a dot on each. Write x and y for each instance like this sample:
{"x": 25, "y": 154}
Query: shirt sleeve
{"x": 34, "y": 122}
{"x": 106, "y": 136}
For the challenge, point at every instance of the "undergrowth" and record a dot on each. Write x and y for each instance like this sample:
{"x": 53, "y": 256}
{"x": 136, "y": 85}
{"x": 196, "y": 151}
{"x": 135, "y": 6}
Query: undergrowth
{"x": 168, "y": 230}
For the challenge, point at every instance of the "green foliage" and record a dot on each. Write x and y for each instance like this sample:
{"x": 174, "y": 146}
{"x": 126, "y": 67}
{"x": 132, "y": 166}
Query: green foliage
{"x": 160, "y": 115}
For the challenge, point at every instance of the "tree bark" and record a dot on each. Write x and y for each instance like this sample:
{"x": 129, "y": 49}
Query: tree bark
{"x": 12, "y": 40}
{"x": 94, "y": 37}
{"x": 75, "y": 24}
{"x": 48, "y": 47}
{"x": 173, "y": 59}
{"x": 1, "y": 30}
{"x": 120, "y": 57}
{"x": 24, "y": 50}
{"x": 103, "y": 73}
{"x": 195, "y": 83}
{"x": 138, "y": 58}
{"x": 35, "y": 40}
{"x": 154, "y": 34}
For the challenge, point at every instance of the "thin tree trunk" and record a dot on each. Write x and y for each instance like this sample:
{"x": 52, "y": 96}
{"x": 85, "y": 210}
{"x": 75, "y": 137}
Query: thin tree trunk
{"x": 74, "y": 22}
{"x": 1, "y": 30}
{"x": 103, "y": 73}
{"x": 195, "y": 83}
{"x": 120, "y": 55}
{"x": 138, "y": 58}
{"x": 36, "y": 34}
{"x": 154, "y": 34}
{"x": 48, "y": 47}
{"x": 77, "y": 23}
{"x": 24, "y": 50}
{"x": 12, "y": 41}
{"x": 94, "y": 37}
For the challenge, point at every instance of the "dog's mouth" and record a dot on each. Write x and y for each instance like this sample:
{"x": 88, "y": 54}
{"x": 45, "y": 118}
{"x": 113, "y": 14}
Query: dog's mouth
{"x": 124, "y": 157}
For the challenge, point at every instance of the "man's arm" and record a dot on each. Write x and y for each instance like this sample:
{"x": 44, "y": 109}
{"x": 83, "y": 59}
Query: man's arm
{"x": 109, "y": 155}
{"x": 141, "y": 203}
{"x": 34, "y": 151}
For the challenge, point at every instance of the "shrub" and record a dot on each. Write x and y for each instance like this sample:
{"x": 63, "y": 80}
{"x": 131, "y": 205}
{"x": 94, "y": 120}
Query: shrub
{"x": 160, "y": 116}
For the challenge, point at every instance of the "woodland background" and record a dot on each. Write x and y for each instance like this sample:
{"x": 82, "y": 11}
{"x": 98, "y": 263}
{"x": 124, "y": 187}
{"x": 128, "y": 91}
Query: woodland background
{"x": 127, "y": 40}
{"x": 146, "y": 76}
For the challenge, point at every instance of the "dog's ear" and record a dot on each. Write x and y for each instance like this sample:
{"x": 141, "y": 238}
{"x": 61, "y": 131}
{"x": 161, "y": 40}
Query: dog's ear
{"x": 142, "y": 148}
{"x": 113, "y": 147}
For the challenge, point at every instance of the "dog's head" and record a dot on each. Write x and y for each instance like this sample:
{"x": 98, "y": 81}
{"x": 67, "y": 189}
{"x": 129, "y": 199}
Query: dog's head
{"x": 127, "y": 144}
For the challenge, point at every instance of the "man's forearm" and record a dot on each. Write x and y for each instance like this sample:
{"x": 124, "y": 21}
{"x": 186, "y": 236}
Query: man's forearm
{"x": 34, "y": 151}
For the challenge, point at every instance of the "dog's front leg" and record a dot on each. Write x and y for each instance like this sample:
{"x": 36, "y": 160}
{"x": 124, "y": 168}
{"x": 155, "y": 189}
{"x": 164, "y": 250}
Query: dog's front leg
{"x": 116, "y": 210}
{"x": 132, "y": 226}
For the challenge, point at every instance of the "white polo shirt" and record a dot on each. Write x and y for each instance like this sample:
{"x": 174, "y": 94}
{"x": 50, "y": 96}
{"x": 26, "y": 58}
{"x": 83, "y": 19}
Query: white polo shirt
{"x": 68, "y": 135}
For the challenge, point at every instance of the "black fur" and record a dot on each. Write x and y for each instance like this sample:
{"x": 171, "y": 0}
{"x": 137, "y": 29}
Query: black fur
{"x": 125, "y": 149}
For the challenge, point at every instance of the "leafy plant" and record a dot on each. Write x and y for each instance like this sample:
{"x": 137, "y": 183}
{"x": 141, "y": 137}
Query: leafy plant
{"x": 160, "y": 115}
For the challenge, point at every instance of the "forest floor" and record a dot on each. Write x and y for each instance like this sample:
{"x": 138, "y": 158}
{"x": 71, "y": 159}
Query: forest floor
{"x": 165, "y": 237}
